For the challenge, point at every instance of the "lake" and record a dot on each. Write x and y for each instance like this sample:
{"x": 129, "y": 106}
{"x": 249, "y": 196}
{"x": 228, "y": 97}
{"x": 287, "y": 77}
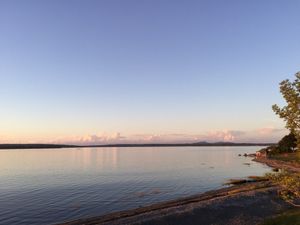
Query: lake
{"x": 48, "y": 186}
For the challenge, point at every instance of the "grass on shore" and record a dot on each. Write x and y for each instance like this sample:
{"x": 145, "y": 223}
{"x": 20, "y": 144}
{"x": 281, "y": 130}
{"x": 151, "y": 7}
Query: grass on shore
{"x": 290, "y": 183}
{"x": 288, "y": 157}
{"x": 291, "y": 217}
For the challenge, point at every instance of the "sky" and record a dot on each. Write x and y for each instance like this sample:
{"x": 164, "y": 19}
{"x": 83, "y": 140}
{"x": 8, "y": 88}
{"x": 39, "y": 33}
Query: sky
{"x": 137, "y": 71}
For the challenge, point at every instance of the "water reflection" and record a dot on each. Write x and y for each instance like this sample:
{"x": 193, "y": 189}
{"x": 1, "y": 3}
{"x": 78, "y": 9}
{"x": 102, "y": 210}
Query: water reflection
{"x": 102, "y": 180}
{"x": 13, "y": 162}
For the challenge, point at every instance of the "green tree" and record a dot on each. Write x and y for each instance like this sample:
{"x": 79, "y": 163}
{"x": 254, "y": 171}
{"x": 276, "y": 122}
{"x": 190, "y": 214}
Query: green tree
{"x": 287, "y": 144}
{"x": 291, "y": 112}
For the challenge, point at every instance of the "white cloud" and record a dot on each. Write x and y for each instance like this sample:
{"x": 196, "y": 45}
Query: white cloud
{"x": 269, "y": 130}
{"x": 223, "y": 135}
{"x": 92, "y": 139}
{"x": 267, "y": 134}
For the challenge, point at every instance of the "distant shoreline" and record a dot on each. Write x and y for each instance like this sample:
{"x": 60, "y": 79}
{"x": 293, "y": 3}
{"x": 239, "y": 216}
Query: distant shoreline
{"x": 198, "y": 144}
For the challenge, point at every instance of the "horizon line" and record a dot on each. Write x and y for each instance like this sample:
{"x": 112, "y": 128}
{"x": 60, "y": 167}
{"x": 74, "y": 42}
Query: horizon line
{"x": 196, "y": 144}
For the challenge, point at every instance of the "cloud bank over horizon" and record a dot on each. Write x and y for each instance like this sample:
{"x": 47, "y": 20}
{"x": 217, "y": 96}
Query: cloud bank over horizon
{"x": 263, "y": 135}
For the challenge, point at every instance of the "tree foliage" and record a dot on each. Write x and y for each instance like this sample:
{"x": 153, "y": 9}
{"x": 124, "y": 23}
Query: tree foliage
{"x": 288, "y": 143}
{"x": 291, "y": 112}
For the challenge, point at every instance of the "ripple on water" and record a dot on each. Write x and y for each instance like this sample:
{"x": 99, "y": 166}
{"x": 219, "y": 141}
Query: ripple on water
{"x": 51, "y": 186}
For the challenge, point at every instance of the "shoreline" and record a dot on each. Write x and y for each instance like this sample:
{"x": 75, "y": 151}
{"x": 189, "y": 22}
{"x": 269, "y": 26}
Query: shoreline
{"x": 202, "y": 207}
{"x": 278, "y": 164}
{"x": 248, "y": 203}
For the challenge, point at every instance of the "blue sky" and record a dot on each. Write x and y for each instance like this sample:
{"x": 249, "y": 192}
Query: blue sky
{"x": 145, "y": 71}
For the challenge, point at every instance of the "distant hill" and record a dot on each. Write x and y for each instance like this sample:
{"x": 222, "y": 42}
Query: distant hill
{"x": 33, "y": 146}
{"x": 202, "y": 143}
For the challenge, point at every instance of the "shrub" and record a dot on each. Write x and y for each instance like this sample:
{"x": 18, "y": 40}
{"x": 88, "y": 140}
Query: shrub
{"x": 289, "y": 185}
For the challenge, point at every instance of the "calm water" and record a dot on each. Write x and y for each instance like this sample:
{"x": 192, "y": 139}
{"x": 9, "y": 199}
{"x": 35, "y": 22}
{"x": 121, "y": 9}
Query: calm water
{"x": 51, "y": 186}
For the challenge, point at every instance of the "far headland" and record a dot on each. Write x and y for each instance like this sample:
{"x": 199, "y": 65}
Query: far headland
{"x": 200, "y": 144}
